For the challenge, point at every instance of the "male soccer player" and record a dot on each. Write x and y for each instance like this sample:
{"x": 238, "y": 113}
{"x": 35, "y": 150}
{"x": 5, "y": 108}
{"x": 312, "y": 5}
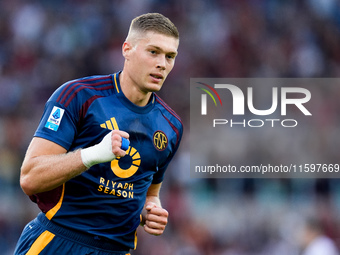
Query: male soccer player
{"x": 93, "y": 186}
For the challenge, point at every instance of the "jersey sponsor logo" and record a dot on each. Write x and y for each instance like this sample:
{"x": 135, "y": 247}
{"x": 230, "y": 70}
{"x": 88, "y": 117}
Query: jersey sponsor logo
{"x": 128, "y": 165}
{"x": 53, "y": 121}
{"x": 123, "y": 167}
{"x": 160, "y": 140}
{"x": 114, "y": 188}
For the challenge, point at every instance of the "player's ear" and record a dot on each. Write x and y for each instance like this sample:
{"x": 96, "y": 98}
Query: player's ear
{"x": 126, "y": 49}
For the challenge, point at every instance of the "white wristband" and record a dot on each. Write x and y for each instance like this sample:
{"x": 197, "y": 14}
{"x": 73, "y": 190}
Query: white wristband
{"x": 99, "y": 153}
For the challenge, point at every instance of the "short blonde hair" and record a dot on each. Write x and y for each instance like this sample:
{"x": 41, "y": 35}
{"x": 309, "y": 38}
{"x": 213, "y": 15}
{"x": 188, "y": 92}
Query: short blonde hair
{"x": 154, "y": 22}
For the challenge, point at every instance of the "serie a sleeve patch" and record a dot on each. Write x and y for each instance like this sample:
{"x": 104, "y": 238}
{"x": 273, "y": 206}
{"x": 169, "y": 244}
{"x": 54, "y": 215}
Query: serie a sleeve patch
{"x": 55, "y": 118}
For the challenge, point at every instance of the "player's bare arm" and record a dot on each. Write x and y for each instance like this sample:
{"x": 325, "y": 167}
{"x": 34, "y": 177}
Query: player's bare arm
{"x": 155, "y": 218}
{"x": 48, "y": 165}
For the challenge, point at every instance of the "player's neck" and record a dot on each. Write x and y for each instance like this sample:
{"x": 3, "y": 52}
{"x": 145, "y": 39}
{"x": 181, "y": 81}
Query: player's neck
{"x": 132, "y": 92}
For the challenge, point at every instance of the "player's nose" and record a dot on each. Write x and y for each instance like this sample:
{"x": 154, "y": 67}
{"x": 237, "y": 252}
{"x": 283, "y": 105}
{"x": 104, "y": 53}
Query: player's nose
{"x": 161, "y": 62}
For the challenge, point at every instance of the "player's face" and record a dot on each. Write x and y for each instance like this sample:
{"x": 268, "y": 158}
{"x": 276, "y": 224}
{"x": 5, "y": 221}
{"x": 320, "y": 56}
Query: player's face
{"x": 150, "y": 60}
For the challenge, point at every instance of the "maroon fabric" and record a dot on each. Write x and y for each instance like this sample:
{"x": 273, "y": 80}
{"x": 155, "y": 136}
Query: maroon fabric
{"x": 47, "y": 200}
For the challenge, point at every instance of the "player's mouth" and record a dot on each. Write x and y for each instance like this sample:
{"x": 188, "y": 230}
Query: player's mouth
{"x": 156, "y": 77}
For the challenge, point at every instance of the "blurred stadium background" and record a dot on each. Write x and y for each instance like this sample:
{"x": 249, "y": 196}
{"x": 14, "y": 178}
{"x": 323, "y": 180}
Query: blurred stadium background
{"x": 46, "y": 43}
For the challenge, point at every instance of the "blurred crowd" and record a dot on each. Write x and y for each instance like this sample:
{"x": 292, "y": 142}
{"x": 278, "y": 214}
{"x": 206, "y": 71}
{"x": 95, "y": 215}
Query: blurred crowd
{"x": 46, "y": 43}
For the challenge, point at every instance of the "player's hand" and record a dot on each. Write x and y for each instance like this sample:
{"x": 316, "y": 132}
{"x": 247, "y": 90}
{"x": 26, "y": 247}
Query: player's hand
{"x": 156, "y": 219}
{"x": 116, "y": 142}
{"x": 107, "y": 150}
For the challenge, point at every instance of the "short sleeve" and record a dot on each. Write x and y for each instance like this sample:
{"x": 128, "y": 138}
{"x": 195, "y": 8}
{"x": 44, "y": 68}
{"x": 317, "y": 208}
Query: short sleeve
{"x": 159, "y": 175}
{"x": 58, "y": 125}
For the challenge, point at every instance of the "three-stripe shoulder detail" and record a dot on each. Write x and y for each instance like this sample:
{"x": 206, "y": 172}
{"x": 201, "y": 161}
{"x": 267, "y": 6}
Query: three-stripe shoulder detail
{"x": 168, "y": 108}
{"x": 176, "y": 129}
{"x": 70, "y": 90}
